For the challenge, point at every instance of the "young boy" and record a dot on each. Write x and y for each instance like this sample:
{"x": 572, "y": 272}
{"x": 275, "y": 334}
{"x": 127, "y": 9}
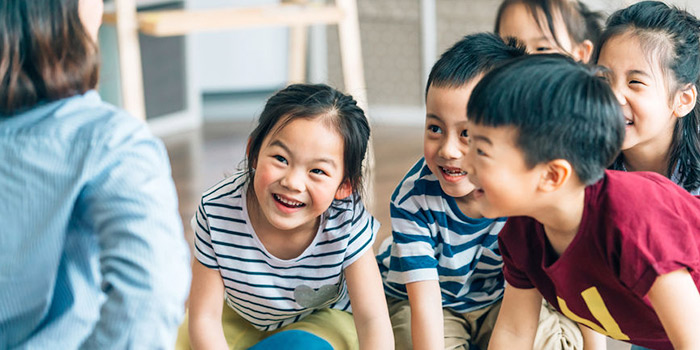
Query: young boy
{"x": 442, "y": 271}
{"x": 616, "y": 252}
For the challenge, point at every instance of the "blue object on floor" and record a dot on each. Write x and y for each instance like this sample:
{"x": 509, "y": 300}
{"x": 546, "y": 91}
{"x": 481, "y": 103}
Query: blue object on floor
{"x": 637, "y": 347}
{"x": 293, "y": 339}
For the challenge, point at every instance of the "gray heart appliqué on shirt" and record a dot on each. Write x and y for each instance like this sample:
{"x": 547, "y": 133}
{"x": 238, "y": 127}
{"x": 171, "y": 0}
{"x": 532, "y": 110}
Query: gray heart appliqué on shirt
{"x": 313, "y": 298}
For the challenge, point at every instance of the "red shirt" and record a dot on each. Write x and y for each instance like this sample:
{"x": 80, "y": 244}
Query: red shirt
{"x": 635, "y": 227}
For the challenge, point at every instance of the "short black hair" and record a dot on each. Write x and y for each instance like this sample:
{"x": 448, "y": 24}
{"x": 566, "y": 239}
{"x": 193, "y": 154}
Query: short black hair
{"x": 472, "y": 55}
{"x": 560, "y": 108}
{"x": 312, "y": 101}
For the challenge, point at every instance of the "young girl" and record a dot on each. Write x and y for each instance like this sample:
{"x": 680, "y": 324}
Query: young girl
{"x": 652, "y": 52}
{"x": 92, "y": 252}
{"x": 547, "y": 26}
{"x": 288, "y": 241}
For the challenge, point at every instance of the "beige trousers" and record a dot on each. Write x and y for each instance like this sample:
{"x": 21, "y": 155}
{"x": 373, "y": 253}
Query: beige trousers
{"x": 473, "y": 329}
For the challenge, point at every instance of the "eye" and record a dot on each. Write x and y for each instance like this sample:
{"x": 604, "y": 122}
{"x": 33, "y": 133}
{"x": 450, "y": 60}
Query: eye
{"x": 318, "y": 172}
{"x": 480, "y": 152}
{"x": 434, "y": 129}
{"x": 543, "y": 49}
{"x": 464, "y": 133}
{"x": 280, "y": 159}
{"x": 632, "y": 82}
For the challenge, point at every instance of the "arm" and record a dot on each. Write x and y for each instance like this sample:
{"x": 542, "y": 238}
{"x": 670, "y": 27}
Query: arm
{"x": 676, "y": 300}
{"x": 369, "y": 308}
{"x": 206, "y": 301}
{"x": 427, "y": 325}
{"x": 129, "y": 201}
{"x": 517, "y": 321}
{"x": 592, "y": 340}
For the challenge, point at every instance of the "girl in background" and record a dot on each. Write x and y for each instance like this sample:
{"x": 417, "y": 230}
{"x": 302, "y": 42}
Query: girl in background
{"x": 547, "y": 26}
{"x": 652, "y": 53}
{"x": 288, "y": 242}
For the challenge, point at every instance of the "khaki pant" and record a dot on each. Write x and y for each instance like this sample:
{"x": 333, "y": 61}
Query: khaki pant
{"x": 473, "y": 329}
{"x": 335, "y": 326}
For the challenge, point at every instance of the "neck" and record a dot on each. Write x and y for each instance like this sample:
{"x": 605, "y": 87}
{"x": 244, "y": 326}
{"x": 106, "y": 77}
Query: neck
{"x": 562, "y": 220}
{"x": 649, "y": 157}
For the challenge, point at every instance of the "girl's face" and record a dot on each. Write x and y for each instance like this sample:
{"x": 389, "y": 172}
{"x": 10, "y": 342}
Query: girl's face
{"x": 298, "y": 172}
{"x": 90, "y": 12}
{"x": 518, "y": 22}
{"x": 640, "y": 87}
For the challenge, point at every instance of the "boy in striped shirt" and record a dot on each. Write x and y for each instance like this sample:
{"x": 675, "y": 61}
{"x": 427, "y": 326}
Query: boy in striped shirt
{"x": 441, "y": 268}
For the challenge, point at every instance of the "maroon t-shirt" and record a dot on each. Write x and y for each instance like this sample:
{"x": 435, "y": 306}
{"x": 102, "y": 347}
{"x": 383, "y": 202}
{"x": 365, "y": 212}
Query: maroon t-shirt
{"x": 635, "y": 227}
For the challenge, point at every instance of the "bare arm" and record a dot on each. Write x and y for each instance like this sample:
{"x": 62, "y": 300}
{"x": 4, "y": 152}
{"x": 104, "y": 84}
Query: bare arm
{"x": 517, "y": 321}
{"x": 427, "y": 325}
{"x": 592, "y": 340}
{"x": 676, "y": 300}
{"x": 369, "y": 304}
{"x": 206, "y": 304}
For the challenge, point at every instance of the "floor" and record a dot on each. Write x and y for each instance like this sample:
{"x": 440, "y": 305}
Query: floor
{"x": 201, "y": 158}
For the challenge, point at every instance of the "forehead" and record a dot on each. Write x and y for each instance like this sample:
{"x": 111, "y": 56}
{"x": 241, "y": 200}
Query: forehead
{"x": 497, "y": 136}
{"x": 448, "y": 99}
{"x": 517, "y": 20}
{"x": 311, "y": 137}
{"x": 625, "y": 52}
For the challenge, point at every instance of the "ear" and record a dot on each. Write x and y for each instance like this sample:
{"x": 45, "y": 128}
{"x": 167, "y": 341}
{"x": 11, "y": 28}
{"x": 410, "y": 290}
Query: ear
{"x": 556, "y": 173}
{"x": 582, "y": 52}
{"x": 344, "y": 190}
{"x": 685, "y": 101}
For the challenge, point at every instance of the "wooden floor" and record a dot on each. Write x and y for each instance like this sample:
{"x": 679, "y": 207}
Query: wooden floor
{"x": 203, "y": 157}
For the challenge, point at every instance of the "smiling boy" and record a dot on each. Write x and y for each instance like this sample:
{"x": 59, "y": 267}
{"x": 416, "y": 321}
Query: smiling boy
{"x": 619, "y": 253}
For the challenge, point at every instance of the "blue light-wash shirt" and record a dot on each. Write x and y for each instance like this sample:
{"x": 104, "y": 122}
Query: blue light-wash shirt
{"x": 92, "y": 253}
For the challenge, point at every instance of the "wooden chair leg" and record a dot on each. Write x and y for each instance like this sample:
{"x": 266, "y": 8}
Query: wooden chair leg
{"x": 298, "y": 43}
{"x": 130, "y": 58}
{"x": 354, "y": 75}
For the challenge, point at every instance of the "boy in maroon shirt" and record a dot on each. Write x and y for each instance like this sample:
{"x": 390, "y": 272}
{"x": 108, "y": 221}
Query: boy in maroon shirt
{"x": 616, "y": 252}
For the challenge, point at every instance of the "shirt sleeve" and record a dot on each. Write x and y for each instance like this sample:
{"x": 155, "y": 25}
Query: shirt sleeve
{"x": 363, "y": 232}
{"x": 413, "y": 250}
{"x": 143, "y": 257}
{"x": 508, "y": 245}
{"x": 203, "y": 249}
{"x": 662, "y": 240}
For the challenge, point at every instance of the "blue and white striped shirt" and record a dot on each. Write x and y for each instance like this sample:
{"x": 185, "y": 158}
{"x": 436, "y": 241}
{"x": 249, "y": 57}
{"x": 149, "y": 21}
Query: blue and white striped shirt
{"x": 433, "y": 240}
{"x": 270, "y": 292}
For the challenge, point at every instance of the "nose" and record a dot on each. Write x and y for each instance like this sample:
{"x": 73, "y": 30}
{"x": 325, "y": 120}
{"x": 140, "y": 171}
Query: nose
{"x": 619, "y": 95}
{"x": 450, "y": 149}
{"x": 293, "y": 180}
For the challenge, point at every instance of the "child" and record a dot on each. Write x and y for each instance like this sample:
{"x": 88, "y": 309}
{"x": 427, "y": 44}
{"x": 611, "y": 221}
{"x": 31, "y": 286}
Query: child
{"x": 543, "y": 129}
{"x": 548, "y": 26}
{"x": 652, "y": 53}
{"x": 92, "y": 253}
{"x": 442, "y": 272}
{"x": 288, "y": 242}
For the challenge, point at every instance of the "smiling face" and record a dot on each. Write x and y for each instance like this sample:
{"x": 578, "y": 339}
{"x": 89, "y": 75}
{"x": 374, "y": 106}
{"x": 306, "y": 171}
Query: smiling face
{"x": 639, "y": 85}
{"x": 504, "y": 185}
{"x": 445, "y": 142}
{"x": 518, "y": 22}
{"x": 298, "y": 171}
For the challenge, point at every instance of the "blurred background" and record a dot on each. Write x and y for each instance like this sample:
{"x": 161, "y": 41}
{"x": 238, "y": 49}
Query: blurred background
{"x": 203, "y": 91}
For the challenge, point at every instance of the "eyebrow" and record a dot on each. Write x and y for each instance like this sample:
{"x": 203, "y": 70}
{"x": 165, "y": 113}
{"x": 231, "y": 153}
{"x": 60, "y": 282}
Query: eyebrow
{"x": 432, "y": 116}
{"x": 639, "y": 72}
{"x": 481, "y": 138}
{"x": 286, "y": 149}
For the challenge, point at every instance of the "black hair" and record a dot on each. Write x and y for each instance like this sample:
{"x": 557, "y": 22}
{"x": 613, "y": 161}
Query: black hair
{"x": 560, "y": 108}
{"x": 45, "y": 53}
{"x": 472, "y": 55}
{"x": 316, "y": 101}
{"x": 581, "y": 22}
{"x": 674, "y": 36}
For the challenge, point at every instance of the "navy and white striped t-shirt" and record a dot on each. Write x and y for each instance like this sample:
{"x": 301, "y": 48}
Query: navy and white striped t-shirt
{"x": 270, "y": 292}
{"x": 433, "y": 240}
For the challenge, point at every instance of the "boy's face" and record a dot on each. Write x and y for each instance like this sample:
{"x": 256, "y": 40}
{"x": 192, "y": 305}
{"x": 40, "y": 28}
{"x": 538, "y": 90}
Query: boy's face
{"x": 504, "y": 186}
{"x": 445, "y": 142}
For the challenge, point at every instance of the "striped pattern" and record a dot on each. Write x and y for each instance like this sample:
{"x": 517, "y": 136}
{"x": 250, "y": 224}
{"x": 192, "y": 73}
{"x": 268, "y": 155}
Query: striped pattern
{"x": 267, "y": 291}
{"x": 433, "y": 240}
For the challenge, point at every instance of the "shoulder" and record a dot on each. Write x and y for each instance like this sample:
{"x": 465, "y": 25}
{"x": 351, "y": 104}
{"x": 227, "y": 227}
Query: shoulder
{"x": 638, "y": 189}
{"x": 226, "y": 189}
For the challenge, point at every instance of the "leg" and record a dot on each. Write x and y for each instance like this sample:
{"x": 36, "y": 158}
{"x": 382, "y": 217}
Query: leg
{"x": 400, "y": 315}
{"x": 457, "y": 330}
{"x": 293, "y": 339}
{"x": 556, "y": 332}
{"x": 334, "y": 326}
{"x": 484, "y": 324}
{"x": 238, "y": 332}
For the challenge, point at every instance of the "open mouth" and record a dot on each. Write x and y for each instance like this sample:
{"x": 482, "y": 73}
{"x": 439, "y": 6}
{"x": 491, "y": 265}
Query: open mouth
{"x": 453, "y": 172}
{"x": 288, "y": 202}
